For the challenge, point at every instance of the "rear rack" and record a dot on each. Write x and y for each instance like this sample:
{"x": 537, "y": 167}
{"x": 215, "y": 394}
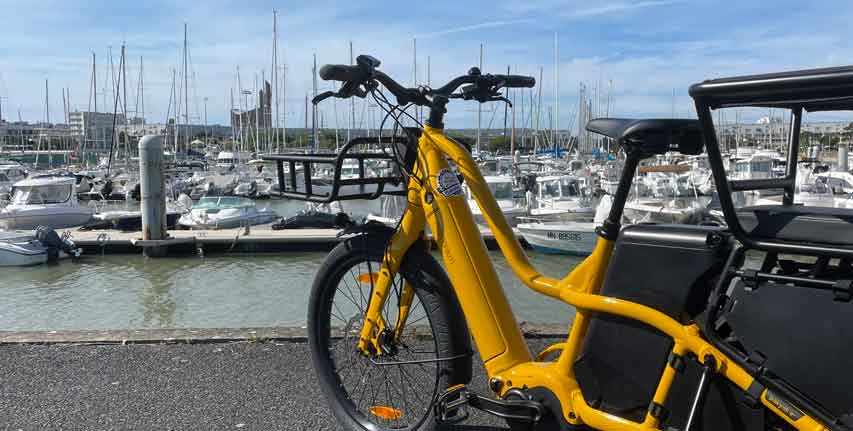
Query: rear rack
{"x": 308, "y": 186}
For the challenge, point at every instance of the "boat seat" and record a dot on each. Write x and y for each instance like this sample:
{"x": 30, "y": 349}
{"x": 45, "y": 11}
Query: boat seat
{"x": 798, "y": 223}
{"x": 652, "y": 136}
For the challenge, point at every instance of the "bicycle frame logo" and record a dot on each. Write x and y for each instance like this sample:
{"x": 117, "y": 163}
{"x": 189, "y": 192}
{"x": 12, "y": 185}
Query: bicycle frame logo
{"x": 448, "y": 183}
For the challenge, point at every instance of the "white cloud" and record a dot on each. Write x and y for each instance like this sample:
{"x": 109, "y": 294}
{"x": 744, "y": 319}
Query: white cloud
{"x": 472, "y": 27}
{"x": 614, "y": 8}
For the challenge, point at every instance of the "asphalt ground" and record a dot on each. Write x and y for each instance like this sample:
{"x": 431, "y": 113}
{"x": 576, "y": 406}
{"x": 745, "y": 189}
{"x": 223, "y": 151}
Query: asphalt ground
{"x": 206, "y": 386}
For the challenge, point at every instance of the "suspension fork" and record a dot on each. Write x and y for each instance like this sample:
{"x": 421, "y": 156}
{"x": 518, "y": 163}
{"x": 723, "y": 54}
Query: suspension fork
{"x": 406, "y": 297}
{"x": 411, "y": 229}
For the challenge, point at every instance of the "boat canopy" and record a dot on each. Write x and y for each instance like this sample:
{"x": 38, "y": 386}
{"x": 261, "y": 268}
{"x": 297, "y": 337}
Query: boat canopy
{"x": 220, "y": 202}
{"x": 55, "y": 193}
{"x": 46, "y": 181}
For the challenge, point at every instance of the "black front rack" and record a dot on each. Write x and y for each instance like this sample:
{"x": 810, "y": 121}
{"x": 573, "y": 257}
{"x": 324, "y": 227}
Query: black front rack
{"x": 345, "y": 181}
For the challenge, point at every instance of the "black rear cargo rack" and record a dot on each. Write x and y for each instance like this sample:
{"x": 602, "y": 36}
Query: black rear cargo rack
{"x": 297, "y": 173}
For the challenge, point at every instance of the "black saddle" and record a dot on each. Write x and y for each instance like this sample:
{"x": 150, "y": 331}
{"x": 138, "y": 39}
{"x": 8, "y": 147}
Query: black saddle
{"x": 650, "y": 137}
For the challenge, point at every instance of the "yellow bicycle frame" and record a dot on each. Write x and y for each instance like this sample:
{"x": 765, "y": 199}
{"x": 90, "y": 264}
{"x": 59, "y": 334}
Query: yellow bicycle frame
{"x": 492, "y": 324}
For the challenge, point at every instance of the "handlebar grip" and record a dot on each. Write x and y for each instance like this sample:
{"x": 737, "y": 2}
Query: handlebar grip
{"x": 518, "y": 81}
{"x": 340, "y": 72}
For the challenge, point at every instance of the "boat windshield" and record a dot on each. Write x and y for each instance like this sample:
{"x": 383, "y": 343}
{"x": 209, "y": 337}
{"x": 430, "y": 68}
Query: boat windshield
{"x": 48, "y": 194}
{"x": 570, "y": 187}
{"x": 549, "y": 189}
{"x": 222, "y": 202}
{"x": 502, "y": 190}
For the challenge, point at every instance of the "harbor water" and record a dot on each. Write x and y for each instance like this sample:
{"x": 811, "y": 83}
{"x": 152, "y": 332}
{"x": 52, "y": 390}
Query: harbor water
{"x": 102, "y": 292}
{"x": 237, "y": 290}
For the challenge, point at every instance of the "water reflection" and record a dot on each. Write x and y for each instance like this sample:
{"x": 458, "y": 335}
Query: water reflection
{"x": 158, "y": 304}
{"x": 238, "y": 290}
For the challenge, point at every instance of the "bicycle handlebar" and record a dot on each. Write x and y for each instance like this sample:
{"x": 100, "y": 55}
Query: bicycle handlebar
{"x": 483, "y": 87}
{"x": 341, "y": 72}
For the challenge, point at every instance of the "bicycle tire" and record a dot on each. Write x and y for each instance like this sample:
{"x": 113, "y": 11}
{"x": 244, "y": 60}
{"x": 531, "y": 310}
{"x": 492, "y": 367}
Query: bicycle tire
{"x": 432, "y": 290}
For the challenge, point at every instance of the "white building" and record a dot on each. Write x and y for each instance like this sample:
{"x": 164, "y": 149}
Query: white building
{"x": 96, "y": 128}
{"x": 775, "y": 132}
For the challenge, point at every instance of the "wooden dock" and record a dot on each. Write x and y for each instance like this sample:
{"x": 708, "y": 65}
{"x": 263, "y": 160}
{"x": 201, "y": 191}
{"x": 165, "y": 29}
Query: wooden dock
{"x": 258, "y": 239}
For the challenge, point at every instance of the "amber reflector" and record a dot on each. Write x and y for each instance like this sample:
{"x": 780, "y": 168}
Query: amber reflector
{"x": 384, "y": 412}
{"x": 366, "y": 277}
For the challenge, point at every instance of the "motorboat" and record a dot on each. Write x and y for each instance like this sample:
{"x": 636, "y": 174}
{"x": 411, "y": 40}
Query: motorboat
{"x": 5, "y": 184}
{"x": 665, "y": 210}
{"x": 129, "y": 220}
{"x": 21, "y": 249}
{"x": 228, "y": 161}
{"x": 28, "y": 248}
{"x": 501, "y": 187}
{"x": 224, "y": 212}
{"x": 565, "y": 236}
{"x": 840, "y": 183}
{"x": 560, "y": 237}
{"x": 44, "y": 201}
{"x": 561, "y": 196}
{"x": 10, "y": 173}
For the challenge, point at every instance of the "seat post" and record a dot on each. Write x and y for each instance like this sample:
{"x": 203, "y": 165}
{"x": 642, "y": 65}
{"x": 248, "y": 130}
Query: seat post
{"x": 611, "y": 226}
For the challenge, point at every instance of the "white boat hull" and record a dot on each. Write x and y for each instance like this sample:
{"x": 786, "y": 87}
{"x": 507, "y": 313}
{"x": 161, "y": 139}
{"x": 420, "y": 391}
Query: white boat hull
{"x": 512, "y": 213}
{"x": 195, "y": 222}
{"x": 22, "y": 252}
{"x": 560, "y": 238}
{"x": 52, "y": 217}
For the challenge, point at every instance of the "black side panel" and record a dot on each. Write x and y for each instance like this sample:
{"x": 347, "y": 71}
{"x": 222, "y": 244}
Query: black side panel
{"x": 666, "y": 267}
{"x": 805, "y": 336}
{"x": 726, "y": 406}
{"x": 620, "y": 365}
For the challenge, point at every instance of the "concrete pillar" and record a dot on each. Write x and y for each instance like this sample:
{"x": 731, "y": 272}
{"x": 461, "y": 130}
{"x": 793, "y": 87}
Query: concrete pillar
{"x": 842, "y": 158}
{"x": 153, "y": 191}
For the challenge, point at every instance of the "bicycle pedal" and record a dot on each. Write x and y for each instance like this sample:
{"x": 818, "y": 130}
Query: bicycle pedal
{"x": 452, "y": 405}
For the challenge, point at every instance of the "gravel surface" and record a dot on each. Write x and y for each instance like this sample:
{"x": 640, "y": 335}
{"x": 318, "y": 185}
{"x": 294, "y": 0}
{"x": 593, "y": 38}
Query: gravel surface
{"x": 247, "y": 386}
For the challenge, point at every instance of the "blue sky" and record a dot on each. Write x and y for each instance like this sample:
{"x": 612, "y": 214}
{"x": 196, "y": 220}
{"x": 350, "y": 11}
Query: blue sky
{"x": 648, "y": 48}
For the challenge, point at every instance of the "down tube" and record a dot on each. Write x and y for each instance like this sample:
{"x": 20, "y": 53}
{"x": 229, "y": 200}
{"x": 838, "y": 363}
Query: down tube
{"x": 475, "y": 281}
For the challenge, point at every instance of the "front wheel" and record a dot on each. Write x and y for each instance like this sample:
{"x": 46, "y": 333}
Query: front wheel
{"x": 394, "y": 390}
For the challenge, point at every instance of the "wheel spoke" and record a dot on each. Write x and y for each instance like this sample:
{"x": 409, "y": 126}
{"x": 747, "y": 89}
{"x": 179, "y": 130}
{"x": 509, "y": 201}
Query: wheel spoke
{"x": 388, "y": 395}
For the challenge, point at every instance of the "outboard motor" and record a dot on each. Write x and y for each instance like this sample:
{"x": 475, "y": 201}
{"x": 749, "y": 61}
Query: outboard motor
{"x": 107, "y": 189}
{"x": 135, "y": 193}
{"x": 55, "y": 244}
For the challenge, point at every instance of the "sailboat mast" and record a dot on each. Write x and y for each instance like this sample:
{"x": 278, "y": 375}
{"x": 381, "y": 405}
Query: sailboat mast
{"x": 352, "y": 99}
{"x": 123, "y": 78}
{"x": 47, "y": 121}
{"x": 275, "y": 77}
{"x": 284, "y": 104}
{"x": 506, "y": 110}
{"x": 415, "y": 74}
{"x": 242, "y": 112}
{"x": 231, "y": 113}
{"x": 142, "y": 92}
{"x": 479, "y": 105}
{"x": 556, "y": 92}
{"x": 177, "y": 113}
{"x": 64, "y": 117}
{"x": 258, "y": 110}
{"x": 316, "y": 135}
{"x": 186, "y": 93}
{"x": 538, "y": 112}
{"x": 512, "y": 132}
{"x": 429, "y": 66}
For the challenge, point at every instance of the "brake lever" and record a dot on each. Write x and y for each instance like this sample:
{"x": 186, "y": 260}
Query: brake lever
{"x": 500, "y": 99}
{"x": 359, "y": 92}
{"x": 323, "y": 96}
